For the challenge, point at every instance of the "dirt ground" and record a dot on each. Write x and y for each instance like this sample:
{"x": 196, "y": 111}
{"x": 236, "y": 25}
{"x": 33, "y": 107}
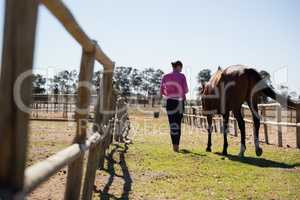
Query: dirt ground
{"x": 47, "y": 138}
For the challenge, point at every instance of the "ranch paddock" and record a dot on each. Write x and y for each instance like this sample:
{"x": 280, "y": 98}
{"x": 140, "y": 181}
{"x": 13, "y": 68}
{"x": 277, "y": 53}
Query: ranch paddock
{"x": 148, "y": 169}
{"x": 67, "y": 160}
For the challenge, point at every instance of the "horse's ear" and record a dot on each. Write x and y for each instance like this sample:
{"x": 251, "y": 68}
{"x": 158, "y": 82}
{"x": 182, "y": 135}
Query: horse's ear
{"x": 219, "y": 67}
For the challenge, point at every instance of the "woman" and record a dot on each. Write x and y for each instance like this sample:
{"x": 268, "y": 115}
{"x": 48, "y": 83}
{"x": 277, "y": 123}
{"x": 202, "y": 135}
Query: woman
{"x": 174, "y": 87}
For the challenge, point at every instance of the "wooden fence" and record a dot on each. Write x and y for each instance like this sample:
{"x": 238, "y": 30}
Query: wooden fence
{"x": 272, "y": 115}
{"x": 16, "y": 181}
{"x": 57, "y": 107}
{"x": 62, "y": 107}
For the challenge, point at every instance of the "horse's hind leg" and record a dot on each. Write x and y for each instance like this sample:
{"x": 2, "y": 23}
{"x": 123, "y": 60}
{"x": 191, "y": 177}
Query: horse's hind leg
{"x": 239, "y": 117}
{"x": 225, "y": 131}
{"x": 256, "y": 121}
{"x": 209, "y": 130}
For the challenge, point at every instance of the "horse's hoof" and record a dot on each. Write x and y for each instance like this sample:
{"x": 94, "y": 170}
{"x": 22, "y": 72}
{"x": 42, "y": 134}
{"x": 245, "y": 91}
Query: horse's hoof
{"x": 259, "y": 151}
{"x": 208, "y": 149}
{"x": 224, "y": 153}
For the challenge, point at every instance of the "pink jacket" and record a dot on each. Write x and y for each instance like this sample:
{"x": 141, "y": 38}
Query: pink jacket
{"x": 173, "y": 86}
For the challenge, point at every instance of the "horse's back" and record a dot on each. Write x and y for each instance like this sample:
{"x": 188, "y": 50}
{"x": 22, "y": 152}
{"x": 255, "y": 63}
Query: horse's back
{"x": 235, "y": 71}
{"x": 234, "y": 85}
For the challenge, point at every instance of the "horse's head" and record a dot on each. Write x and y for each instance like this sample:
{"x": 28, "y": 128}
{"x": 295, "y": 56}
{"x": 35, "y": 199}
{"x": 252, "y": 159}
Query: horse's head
{"x": 209, "y": 99}
{"x": 201, "y": 88}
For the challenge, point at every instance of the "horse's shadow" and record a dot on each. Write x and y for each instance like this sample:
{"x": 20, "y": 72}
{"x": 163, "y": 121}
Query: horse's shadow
{"x": 185, "y": 151}
{"x": 104, "y": 193}
{"x": 259, "y": 162}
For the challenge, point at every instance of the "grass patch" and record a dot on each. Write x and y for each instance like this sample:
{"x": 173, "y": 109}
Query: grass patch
{"x": 158, "y": 173}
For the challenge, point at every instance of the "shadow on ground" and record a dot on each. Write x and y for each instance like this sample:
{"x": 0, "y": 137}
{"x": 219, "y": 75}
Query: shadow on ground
{"x": 185, "y": 151}
{"x": 260, "y": 162}
{"x": 104, "y": 194}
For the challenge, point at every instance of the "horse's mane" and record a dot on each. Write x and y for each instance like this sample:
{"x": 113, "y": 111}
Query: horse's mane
{"x": 212, "y": 83}
{"x": 215, "y": 78}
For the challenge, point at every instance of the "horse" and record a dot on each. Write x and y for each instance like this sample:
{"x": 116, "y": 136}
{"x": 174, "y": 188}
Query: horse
{"x": 226, "y": 91}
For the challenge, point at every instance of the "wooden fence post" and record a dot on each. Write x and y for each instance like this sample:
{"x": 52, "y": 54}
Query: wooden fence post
{"x": 201, "y": 119}
{"x": 263, "y": 114}
{"x": 107, "y": 104}
{"x": 194, "y": 116}
{"x": 65, "y": 106}
{"x": 191, "y": 117}
{"x": 97, "y": 153}
{"x": 279, "y": 128}
{"x": 74, "y": 177}
{"x": 298, "y": 128}
{"x": 188, "y": 116}
{"x": 17, "y": 58}
{"x": 117, "y": 121}
{"x": 197, "y": 124}
{"x": 215, "y": 125}
{"x": 221, "y": 124}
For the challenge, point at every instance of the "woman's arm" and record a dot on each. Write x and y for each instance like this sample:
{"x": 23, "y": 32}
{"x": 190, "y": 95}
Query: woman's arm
{"x": 184, "y": 85}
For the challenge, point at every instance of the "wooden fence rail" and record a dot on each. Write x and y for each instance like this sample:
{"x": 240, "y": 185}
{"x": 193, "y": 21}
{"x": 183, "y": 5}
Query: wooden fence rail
{"x": 193, "y": 116}
{"x": 17, "y": 60}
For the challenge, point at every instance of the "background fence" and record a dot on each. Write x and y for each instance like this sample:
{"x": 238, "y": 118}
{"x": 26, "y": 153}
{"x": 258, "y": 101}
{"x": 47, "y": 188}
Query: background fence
{"x": 17, "y": 61}
{"x": 58, "y": 107}
{"x": 62, "y": 107}
{"x": 279, "y": 125}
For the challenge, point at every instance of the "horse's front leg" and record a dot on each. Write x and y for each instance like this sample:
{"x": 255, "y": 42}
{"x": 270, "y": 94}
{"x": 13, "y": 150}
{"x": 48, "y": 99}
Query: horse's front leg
{"x": 209, "y": 130}
{"x": 225, "y": 132}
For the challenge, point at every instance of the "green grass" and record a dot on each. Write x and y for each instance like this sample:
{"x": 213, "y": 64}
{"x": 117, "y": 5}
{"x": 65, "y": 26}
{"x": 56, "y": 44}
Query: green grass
{"x": 196, "y": 174}
{"x": 150, "y": 170}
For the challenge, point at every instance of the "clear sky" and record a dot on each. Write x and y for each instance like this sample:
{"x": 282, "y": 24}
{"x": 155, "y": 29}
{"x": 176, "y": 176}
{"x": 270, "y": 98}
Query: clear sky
{"x": 264, "y": 34}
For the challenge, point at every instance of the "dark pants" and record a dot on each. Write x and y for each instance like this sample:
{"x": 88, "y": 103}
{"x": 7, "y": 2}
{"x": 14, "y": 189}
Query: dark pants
{"x": 175, "y": 110}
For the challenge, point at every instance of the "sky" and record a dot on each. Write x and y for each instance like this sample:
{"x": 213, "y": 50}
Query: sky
{"x": 263, "y": 34}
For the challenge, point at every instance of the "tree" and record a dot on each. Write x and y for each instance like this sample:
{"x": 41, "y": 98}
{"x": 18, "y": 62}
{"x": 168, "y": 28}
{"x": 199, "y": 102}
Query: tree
{"x": 155, "y": 80}
{"x": 66, "y": 80}
{"x": 136, "y": 80}
{"x": 151, "y": 82}
{"x": 121, "y": 80}
{"x": 204, "y": 76}
{"x": 38, "y": 84}
{"x": 155, "y": 84}
{"x": 147, "y": 75}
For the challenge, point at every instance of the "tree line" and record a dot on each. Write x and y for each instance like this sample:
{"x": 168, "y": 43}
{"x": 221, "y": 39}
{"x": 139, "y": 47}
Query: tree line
{"x": 128, "y": 81}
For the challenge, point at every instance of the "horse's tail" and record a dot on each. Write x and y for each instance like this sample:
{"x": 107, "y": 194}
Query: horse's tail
{"x": 268, "y": 91}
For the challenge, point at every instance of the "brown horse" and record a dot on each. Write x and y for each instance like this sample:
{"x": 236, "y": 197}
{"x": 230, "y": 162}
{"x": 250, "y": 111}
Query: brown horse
{"x": 226, "y": 91}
